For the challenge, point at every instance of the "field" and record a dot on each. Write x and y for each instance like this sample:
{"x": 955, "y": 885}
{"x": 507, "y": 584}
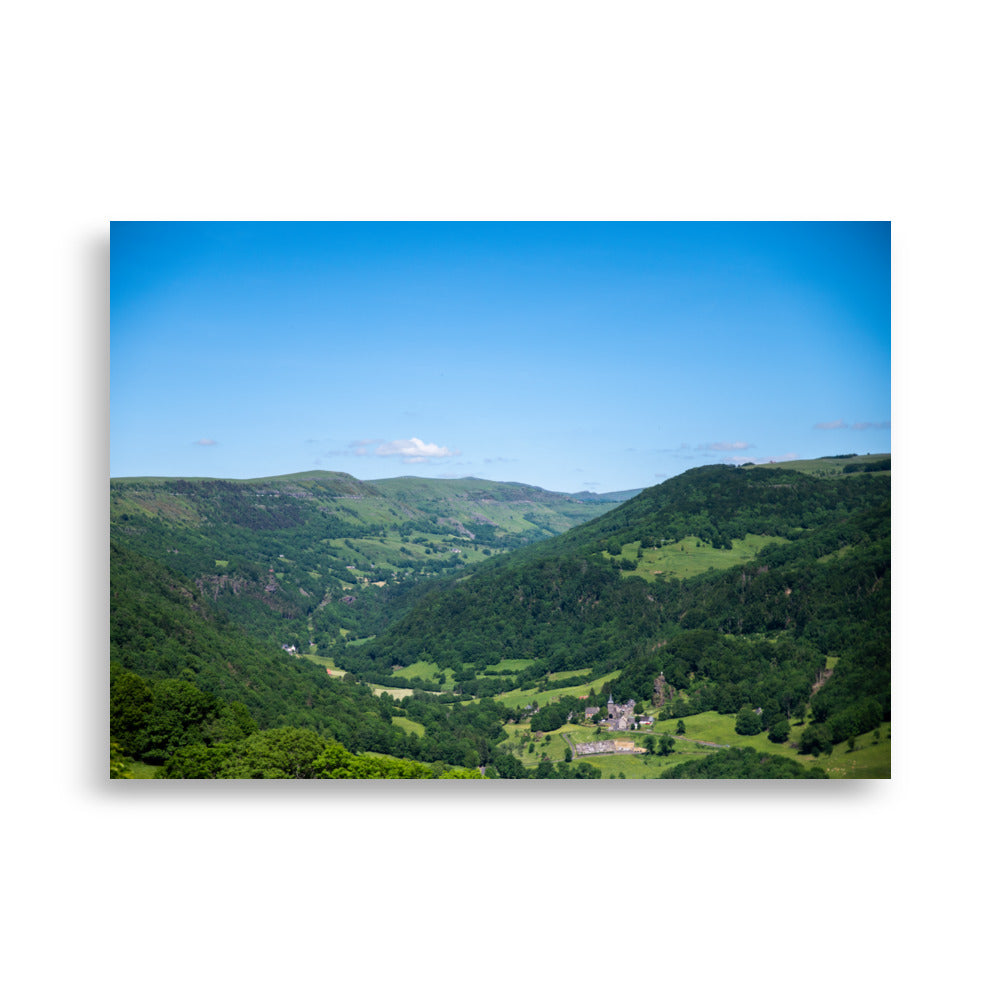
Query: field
{"x": 518, "y": 699}
{"x": 398, "y": 693}
{"x": 690, "y": 556}
{"x": 829, "y": 466}
{"x": 325, "y": 662}
{"x": 869, "y": 759}
{"x": 136, "y": 769}
{"x": 409, "y": 725}
{"x": 425, "y": 671}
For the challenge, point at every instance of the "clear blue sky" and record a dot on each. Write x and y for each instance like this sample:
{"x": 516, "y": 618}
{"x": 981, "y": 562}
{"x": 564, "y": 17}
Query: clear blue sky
{"x": 571, "y": 356}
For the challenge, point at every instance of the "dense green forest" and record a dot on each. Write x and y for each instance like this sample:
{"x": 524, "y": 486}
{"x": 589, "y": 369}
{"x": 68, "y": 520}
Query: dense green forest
{"x": 757, "y": 595}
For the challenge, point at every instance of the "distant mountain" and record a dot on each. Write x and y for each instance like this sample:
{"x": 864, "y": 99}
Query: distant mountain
{"x": 619, "y": 496}
{"x": 322, "y": 556}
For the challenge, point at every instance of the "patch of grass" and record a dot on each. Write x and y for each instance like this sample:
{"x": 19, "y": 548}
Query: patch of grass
{"x": 690, "y": 557}
{"x": 829, "y": 466}
{"x": 398, "y": 693}
{"x": 869, "y": 759}
{"x": 561, "y": 675}
{"x": 839, "y": 554}
{"x": 518, "y": 699}
{"x": 427, "y": 671}
{"x": 509, "y": 666}
{"x": 631, "y": 765}
{"x": 408, "y": 725}
{"x": 137, "y": 769}
{"x": 326, "y": 662}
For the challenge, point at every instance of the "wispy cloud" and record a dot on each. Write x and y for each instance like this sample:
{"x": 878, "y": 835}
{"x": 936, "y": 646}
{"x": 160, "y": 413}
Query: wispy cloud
{"x": 725, "y": 446}
{"x": 860, "y": 425}
{"x": 413, "y": 450}
{"x": 206, "y": 442}
{"x": 362, "y": 447}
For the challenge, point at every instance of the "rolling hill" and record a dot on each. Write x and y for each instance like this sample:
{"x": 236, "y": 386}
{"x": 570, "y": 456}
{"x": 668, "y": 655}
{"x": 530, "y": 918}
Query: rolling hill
{"x": 321, "y": 557}
{"x": 751, "y": 602}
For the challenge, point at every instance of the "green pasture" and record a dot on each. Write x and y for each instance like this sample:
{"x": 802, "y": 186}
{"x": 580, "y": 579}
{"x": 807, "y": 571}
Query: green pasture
{"x": 715, "y": 728}
{"x": 561, "y": 675}
{"x": 398, "y": 693}
{"x": 828, "y": 466}
{"x": 425, "y": 670}
{"x": 421, "y": 670}
{"x": 324, "y": 661}
{"x": 868, "y": 759}
{"x": 518, "y": 699}
{"x": 137, "y": 769}
{"x": 690, "y": 556}
{"x": 643, "y": 765}
{"x": 505, "y": 667}
{"x": 408, "y": 725}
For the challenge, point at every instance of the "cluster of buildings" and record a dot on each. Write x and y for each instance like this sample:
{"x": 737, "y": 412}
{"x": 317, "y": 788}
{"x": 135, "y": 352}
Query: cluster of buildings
{"x": 621, "y": 717}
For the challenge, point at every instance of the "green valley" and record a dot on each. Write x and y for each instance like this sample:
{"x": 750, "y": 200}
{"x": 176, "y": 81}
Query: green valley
{"x": 728, "y": 622}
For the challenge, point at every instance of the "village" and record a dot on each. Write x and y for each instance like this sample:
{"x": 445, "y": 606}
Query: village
{"x": 620, "y": 718}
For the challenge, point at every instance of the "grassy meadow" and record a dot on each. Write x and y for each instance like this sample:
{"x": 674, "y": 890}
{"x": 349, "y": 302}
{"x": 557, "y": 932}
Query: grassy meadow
{"x": 690, "y": 556}
{"x": 869, "y": 759}
{"x": 830, "y": 466}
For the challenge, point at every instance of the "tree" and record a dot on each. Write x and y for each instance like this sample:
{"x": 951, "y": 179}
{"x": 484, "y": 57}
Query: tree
{"x": 681, "y": 730}
{"x": 568, "y": 755}
{"x": 748, "y": 722}
{"x": 278, "y": 753}
{"x": 780, "y": 731}
{"x": 666, "y": 745}
{"x": 816, "y": 739}
{"x": 119, "y": 766}
{"x": 131, "y": 701}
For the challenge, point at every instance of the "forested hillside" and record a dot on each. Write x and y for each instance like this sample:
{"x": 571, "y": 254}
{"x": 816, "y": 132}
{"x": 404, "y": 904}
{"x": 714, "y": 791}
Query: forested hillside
{"x": 758, "y": 633}
{"x": 322, "y": 558}
{"x": 751, "y": 603}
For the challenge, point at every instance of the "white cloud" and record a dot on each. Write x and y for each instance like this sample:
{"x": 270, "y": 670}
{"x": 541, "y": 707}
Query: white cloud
{"x": 830, "y": 425}
{"x": 206, "y": 442}
{"x": 882, "y": 425}
{"x": 414, "y": 450}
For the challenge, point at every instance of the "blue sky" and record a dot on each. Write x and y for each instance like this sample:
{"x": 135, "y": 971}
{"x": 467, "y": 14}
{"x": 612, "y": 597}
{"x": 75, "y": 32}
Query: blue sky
{"x": 571, "y": 356}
